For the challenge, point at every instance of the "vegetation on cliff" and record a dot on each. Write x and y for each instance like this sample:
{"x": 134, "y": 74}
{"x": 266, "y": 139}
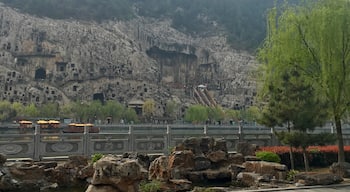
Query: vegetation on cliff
{"x": 241, "y": 21}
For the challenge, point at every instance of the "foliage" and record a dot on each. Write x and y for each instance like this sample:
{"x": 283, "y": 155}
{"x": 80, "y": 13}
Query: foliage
{"x": 232, "y": 115}
{"x": 268, "y": 156}
{"x": 243, "y": 20}
{"x": 112, "y": 109}
{"x": 314, "y": 39}
{"x": 96, "y": 157}
{"x": 78, "y": 9}
{"x": 301, "y": 139}
{"x": 196, "y": 114}
{"x": 171, "y": 108}
{"x": 31, "y": 110}
{"x": 130, "y": 116}
{"x": 250, "y": 114}
{"x": 319, "y": 156}
{"x": 6, "y": 111}
{"x": 148, "y": 108}
{"x": 49, "y": 110}
{"x": 152, "y": 186}
{"x": 79, "y": 111}
{"x": 216, "y": 113}
{"x": 291, "y": 174}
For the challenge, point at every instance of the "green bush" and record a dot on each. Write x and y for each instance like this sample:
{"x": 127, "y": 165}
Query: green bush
{"x": 96, "y": 157}
{"x": 291, "y": 174}
{"x": 268, "y": 156}
{"x": 151, "y": 186}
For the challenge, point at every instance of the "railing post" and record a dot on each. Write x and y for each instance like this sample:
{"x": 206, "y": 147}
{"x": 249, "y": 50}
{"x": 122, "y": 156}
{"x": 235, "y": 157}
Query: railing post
{"x": 240, "y": 133}
{"x": 86, "y": 142}
{"x": 168, "y": 138}
{"x": 131, "y": 139}
{"x": 37, "y": 151}
{"x": 205, "y": 130}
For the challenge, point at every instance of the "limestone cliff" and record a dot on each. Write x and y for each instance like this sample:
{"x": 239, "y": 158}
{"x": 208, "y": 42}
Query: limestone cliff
{"x": 44, "y": 60}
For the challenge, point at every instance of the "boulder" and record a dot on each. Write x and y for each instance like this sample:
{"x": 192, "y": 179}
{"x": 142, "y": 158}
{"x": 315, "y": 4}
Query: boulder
{"x": 120, "y": 173}
{"x": 279, "y": 171}
{"x": 3, "y": 159}
{"x": 312, "y": 178}
{"x": 217, "y": 156}
{"x": 209, "y": 175}
{"x": 341, "y": 169}
{"x": 237, "y": 158}
{"x": 72, "y": 172}
{"x": 180, "y": 162}
{"x": 178, "y": 185}
{"x": 201, "y": 163}
{"x": 248, "y": 178}
{"x": 159, "y": 169}
{"x": 246, "y": 148}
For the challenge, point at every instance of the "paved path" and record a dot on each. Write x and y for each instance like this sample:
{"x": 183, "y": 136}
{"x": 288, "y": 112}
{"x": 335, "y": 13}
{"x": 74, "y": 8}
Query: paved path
{"x": 326, "y": 188}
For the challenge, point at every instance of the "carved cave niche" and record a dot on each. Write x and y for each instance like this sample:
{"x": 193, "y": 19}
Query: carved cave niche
{"x": 40, "y": 74}
{"x": 61, "y": 66}
{"x": 99, "y": 97}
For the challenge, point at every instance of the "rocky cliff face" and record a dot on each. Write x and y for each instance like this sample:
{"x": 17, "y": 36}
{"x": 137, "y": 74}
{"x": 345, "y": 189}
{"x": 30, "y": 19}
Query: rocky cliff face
{"x": 44, "y": 60}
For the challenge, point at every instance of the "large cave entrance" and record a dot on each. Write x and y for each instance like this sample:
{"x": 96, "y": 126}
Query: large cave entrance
{"x": 40, "y": 74}
{"x": 99, "y": 97}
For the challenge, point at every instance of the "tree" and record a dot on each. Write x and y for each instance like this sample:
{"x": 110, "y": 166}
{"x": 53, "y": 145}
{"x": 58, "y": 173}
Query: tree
{"x": 6, "y": 111}
{"x": 304, "y": 140}
{"x": 148, "y": 109}
{"x": 315, "y": 40}
{"x": 31, "y": 110}
{"x": 49, "y": 110}
{"x": 290, "y": 100}
{"x": 196, "y": 114}
{"x": 216, "y": 114}
{"x": 112, "y": 109}
{"x": 19, "y": 108}
{"x": 130, "y": 116}
{"x": 171, "y": 108}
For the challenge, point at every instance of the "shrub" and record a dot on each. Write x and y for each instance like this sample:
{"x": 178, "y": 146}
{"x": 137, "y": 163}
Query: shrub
{"x": 152, "y": 186}
{"x": 291, "y": 174}
{"x": 268, "y": 156}
{"x": 319, "y": 156}
{"x": 96, "y": 157}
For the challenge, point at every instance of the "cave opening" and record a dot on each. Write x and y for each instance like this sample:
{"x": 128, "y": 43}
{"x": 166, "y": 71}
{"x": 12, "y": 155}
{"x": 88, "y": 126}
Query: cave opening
{"x": 40, "y": 74}
{"x": 99, "y": 97}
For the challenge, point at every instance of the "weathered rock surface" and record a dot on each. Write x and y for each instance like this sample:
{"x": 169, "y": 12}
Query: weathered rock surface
{"x": 318, "y": 178}
{"x": 341, "y": 169}
{"x": 43, "y": 60}
{"x": 37, "y": 176}
{"x": 121, "y": 174}
{"x": 276, "y": 170}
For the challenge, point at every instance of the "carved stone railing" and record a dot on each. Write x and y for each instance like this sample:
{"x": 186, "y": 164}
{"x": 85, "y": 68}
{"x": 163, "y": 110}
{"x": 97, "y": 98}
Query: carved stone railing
{"x": 118, "y": 139}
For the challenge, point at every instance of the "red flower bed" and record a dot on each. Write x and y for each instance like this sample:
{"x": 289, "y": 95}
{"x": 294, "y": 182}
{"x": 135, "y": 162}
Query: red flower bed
{"x": 285, "y": 149}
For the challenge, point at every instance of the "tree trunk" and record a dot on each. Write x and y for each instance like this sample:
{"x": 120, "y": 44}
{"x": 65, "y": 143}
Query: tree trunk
{"x": 306, "y": 160}
{"x": 291, "y": 157}
{"x": 341, "y": 154}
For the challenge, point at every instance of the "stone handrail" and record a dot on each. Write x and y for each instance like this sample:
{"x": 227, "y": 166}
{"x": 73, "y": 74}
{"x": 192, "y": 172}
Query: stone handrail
{"x": 118, "y": 139}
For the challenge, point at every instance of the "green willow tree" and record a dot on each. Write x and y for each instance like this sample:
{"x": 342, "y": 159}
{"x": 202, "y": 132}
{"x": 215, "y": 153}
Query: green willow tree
{"x": 196, "y": 114}
{"x": 315, "y": 40}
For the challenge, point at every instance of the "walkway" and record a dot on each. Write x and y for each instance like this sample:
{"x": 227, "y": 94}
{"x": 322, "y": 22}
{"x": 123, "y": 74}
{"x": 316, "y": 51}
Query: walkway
{"x": 345, "y": 187}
